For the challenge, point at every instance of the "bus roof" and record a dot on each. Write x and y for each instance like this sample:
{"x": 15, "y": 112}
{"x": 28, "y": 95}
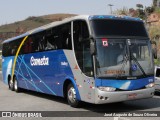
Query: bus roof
{"x": 82, "y": 17}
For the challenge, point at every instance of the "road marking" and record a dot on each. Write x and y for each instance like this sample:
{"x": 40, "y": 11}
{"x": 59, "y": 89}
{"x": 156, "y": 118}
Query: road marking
{"x": 116, "y": 118}
{"x": 120, "y": 118}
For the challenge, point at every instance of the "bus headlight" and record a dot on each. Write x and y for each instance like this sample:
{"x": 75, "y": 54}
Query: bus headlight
{"x": 150, "y": 85}
{"x": 107, "y": 89}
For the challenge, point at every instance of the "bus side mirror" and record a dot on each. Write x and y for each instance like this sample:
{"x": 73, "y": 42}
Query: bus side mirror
{"x": 92, "y": 47}
{"x": 154, "y": 49}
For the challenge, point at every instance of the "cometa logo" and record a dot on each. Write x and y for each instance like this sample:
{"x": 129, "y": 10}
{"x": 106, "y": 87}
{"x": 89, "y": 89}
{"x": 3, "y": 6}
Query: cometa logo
{"x": 39, "y": 61}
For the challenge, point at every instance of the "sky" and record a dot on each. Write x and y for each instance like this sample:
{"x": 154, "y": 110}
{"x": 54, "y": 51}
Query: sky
{"x": 17, "y": 10}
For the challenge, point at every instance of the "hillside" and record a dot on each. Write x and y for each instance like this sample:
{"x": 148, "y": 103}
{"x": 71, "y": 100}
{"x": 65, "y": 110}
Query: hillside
{"x": 29, "y": 23}
{"x": 19, "y": 27}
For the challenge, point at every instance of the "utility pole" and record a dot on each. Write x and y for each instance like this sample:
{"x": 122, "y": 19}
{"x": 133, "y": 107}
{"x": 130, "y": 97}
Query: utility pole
{"x": 110, "y": 5}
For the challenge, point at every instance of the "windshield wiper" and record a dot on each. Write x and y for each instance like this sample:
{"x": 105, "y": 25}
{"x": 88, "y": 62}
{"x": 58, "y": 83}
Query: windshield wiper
{"x": 126, "y": 58}
{"x": 140, "y": 67}
{"x": 125, "y": 62}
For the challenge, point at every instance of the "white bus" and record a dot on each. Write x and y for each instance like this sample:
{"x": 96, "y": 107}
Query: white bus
{"x": 96, "y": 59}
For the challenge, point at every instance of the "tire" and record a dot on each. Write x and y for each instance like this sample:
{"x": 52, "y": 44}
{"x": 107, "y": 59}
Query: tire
{"x": 16, "y": 88}
{"x": 11, "y": 85}
{"x": 71, "y": 96}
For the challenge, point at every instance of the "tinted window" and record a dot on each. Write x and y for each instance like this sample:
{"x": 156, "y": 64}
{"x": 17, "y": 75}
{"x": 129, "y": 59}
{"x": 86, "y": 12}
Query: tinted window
{"x": 5, "y": 49}
{"x": 10, "y": 48}
{"x": 59, "y": 37}
{"x": 52, "y": 39}
{"x": 118, "y": 28}
{"x": 65, "y": 36}
{"x": 26, "y": 47}
{"x": 82, "y": 47}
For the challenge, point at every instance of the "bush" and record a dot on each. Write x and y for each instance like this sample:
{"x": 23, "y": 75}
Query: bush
{"x": 157, "y": 62}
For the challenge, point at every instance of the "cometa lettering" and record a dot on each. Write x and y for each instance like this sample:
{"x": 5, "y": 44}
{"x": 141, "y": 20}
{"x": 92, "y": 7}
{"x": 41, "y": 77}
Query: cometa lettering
{"x": 39, "y": 61}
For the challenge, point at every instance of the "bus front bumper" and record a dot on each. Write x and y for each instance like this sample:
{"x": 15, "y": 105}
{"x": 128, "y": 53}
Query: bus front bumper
{"x": 119, "y": 96}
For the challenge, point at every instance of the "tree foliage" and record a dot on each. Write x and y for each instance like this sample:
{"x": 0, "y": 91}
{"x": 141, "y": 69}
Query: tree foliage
{"x": 123, "y": 11}
{"x": 154, "y": 32}
{"x": 140, "y": 11}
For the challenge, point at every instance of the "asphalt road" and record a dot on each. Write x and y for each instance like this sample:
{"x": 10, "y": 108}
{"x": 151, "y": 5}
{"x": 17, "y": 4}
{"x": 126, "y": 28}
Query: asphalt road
{"x": 32, "y": 101}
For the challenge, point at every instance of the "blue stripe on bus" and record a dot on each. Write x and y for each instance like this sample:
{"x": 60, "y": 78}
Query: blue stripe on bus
{"x": 113, "y": 17}
{"x": 31, "y": 71}
{"x": 37, "y": 89}
{"x": 41, "y": 78}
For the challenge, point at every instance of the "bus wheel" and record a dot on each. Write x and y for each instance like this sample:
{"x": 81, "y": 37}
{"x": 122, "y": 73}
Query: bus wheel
{"x": 10, "y": 84}
{"x": 71, "y": 96}
{"x": 16, "y": 88}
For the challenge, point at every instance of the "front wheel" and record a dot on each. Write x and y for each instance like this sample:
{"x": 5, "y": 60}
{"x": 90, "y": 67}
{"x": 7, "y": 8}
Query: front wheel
{"x": 71, "y": 96}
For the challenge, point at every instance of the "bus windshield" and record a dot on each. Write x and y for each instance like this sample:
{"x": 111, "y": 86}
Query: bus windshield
{"x": 120, "y": 58}
{"x": 103, "y": 27}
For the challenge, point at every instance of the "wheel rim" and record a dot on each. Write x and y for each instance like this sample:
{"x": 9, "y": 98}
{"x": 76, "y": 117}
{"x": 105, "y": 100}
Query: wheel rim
{"x": 10, "y": 83}
{"x": 15, "y": 84}
{"x": 72, "y": 95}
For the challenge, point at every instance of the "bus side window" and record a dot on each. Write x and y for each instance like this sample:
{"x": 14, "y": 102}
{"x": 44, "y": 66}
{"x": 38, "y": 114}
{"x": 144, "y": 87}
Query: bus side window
{"x": 80, "y": 30}
{"x": 34, "y": 44}
{"x": 59, "y": 37}
{"x": 38, "y": 42}
{"x": 27, "y": 47}
{"x": 69, "y": 42}
{"x": 30, "y": 45}
{"x": 65, "y": 36}
{"x": 15, "y": 46}
{"x": 51, "y": 39}
{"x": 6, "y": 50}
{"x": 82, "y": 47}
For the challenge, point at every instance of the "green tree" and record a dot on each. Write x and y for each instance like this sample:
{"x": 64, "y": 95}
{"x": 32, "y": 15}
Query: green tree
{"x": 149, "y": 10}
{"x": 123, "y": 11}
{"x": 141, "y": 11}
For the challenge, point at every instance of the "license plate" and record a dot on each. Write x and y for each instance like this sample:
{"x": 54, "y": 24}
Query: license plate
{"x": 132, "y": 96}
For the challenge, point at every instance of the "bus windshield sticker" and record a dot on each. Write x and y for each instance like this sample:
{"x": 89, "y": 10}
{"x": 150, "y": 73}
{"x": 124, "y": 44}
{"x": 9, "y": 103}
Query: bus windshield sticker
{"x": 134, "y": 67}
{"x": 115, "y": 72}
{"x": 105, "y": 42}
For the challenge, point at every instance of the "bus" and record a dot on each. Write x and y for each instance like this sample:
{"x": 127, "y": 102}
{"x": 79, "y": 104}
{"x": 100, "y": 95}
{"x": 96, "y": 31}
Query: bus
{"x": 91, "y": 58}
